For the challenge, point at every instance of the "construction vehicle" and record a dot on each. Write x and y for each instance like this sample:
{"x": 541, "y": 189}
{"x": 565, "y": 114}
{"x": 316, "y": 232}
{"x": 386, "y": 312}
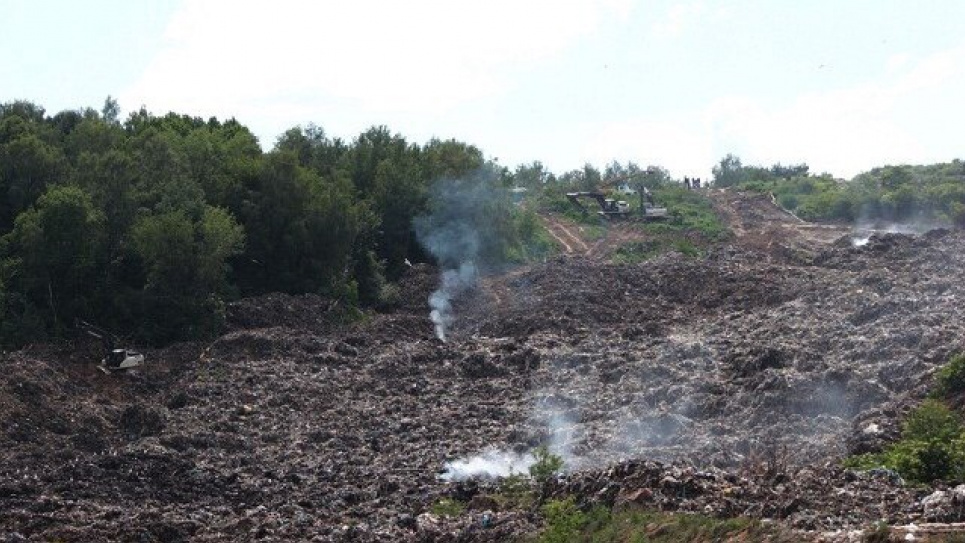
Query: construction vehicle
{"x": 649, "y": 209}
{"x": 115, "y": 359}
{"x": 610, "y": 208}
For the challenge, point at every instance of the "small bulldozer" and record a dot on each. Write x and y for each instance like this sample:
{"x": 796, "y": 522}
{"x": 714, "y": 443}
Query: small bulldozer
{"x": 115, "y": 359}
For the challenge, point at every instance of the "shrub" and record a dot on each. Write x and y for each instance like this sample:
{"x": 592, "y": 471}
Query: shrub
{"x": 448, "y": 507}
{"x": 564, "y": 521}
{"x": 950, "y": 380}
{"x": 931, "y": 448}
{"x": 515, "y": 492}
{"x": 547, "y": 465}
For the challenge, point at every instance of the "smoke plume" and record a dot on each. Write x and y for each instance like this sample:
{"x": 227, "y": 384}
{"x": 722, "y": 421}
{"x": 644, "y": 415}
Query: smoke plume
{"x": 869, "y": 223}
{"x": 491, "y": 464}
{"x": 454, "y": 282}
{"x": 462, "y": 234}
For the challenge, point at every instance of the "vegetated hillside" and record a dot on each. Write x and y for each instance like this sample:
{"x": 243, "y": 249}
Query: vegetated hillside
{"x": 728, "y": 385}
{"x": 916, "y": 195}
{"x": 147, "y": 226}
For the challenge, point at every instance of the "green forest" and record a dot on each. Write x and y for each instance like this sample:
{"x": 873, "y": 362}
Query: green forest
{"x": 147, "y": 226}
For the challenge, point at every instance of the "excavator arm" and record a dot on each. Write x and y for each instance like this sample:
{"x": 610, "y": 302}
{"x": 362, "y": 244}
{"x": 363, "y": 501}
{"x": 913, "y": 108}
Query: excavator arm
{"x": 608, "y": 207}
{"x": 114, "y": 359}
{"x": 104, "y": 336}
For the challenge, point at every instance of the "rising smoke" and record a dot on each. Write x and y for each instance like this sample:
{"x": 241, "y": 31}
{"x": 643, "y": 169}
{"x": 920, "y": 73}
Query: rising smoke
{"x": 562, "y": 431}
{"x": 863, "y": 231}
{"x": 454, "y": 282}
{"x": 462, "y": 234}
{"x": 491, "y": 464}
{"x": 869, "y": 223}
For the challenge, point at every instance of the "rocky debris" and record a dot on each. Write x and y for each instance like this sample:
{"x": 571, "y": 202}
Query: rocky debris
{"x": 727, "y": 385}
{"x": 817, "y": 498}
{"x": 945, "y": 505}
{"x": 307, "y": 311}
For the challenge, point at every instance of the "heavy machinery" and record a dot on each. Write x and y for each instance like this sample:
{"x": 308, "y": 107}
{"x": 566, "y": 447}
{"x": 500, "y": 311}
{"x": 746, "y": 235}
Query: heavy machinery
{"x": 610, "y": 208}
{"x": 115, "y": 359}
{"x": 648, "y": 208}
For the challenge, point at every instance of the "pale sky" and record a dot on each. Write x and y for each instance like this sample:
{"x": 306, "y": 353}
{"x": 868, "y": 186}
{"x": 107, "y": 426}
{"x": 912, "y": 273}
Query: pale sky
{"x": 843, "y": 85}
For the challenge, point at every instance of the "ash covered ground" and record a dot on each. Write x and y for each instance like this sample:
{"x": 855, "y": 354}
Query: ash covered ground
{"x": 728, "y": 385}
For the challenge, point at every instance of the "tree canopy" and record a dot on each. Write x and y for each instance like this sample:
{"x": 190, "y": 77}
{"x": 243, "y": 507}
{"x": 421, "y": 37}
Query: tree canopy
{"x": 147, "y": 225}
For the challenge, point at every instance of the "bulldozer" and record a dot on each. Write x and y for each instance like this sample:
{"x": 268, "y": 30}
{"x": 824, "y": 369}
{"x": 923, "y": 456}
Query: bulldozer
{"x": 115, "y": 359}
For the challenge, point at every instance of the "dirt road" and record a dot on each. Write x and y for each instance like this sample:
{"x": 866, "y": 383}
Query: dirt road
{"x": 758, "y": 221}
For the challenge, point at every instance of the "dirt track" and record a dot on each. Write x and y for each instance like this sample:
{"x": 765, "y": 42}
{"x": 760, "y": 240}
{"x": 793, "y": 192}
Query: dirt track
{"x": 748, "y": 374}
{"x": 760, "y": 223}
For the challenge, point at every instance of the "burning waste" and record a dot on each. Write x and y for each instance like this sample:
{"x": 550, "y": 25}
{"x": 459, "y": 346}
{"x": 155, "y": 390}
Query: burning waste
{"x": 461, "y": 232}
{"x": 490, "y": 464}
{"x": 454, "y": 282}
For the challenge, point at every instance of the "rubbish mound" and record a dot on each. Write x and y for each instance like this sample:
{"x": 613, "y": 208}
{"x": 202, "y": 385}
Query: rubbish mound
{"x": 729, "y": 385}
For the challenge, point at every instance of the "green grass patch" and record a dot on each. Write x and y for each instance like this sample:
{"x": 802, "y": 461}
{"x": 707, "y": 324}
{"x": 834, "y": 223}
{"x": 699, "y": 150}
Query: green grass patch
{"x": 592, "y": 232}
{"x": 528, "y": 240}
{"x": 641, "y": 251}
{"x": 690, "y": 212}
{"x": 447, "y": 507}
{"x": 565, "y": 522}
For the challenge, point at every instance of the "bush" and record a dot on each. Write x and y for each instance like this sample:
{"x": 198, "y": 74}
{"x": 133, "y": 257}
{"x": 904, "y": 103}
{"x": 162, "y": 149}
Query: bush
{"x": 547, "y": 465}
{"x": 932, "y": 421}
{"x": 950, "y": 380}
{"x": 564, "y": 521}
{"x": 448, "y": 507}
{"x": 932, "y": 447}
{"x": 515, "y": 492}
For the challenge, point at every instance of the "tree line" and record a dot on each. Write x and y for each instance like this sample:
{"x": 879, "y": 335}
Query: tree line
{"x": 148, "y": 225}
{"x": 895, "y": 193}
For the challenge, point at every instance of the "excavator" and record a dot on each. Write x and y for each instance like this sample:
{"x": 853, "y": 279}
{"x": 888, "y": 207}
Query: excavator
{"x": 610, "y": 208}
{"x": 115, "y": 359}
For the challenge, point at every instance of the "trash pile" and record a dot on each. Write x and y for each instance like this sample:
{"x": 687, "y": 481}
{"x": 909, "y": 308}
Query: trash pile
{"x": 729, "y": 385}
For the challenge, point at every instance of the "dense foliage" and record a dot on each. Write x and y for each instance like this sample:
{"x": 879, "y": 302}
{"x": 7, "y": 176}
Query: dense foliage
{"x": 147, "y": 226}
{"x": 932, "y": 193}
{"x": 932, "y": 444}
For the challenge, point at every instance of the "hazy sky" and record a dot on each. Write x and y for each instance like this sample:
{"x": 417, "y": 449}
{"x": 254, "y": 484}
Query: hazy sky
{"x": 842, "y": 85}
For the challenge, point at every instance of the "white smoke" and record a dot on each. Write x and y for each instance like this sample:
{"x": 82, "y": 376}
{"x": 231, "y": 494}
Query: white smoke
{"x": 463, "y": 236}
{"x": 863, "y": 231}
{"x": 491, "y": 464}
{"x": 453, "y": 282}
{"x": 562, "y": 432}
